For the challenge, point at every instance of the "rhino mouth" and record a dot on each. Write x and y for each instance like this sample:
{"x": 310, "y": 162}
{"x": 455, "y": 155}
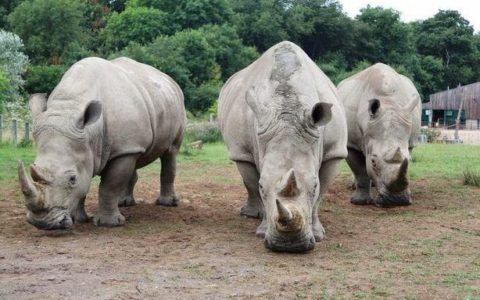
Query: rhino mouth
{"x": 392, "y": 200}
{"x": 55, "y": 219}
{"x": 291, "y": 245}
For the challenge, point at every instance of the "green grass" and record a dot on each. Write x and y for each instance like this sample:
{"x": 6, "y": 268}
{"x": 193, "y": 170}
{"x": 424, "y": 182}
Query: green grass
{"x": 429, "y": 161}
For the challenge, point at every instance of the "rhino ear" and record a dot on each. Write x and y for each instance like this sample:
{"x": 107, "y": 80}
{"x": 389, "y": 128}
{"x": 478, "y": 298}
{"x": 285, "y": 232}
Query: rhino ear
{"x": 253, "y": 102}
{"x": 373, "y": 107}
{"x": 37, "y": 103}
{"x": 92, "y": 113}
{"x": 321, "y": 113}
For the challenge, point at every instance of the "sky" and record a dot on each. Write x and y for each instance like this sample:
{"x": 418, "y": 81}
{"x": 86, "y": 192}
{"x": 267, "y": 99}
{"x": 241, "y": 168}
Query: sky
{"x": 412, "y": 10}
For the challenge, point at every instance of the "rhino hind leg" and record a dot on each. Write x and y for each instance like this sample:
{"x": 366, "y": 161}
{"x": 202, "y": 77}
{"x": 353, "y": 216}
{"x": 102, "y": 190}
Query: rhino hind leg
{"x": 113, "y": 187}
{"x": 78, "y": 214}
{"x": 250, "y": 176}
{"x": 128, "y": 199}
{"x": 356, "y": 162}
{"x": 167, "y": 178}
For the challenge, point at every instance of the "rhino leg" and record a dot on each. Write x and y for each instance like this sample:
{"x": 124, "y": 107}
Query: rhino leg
{"x": 78, "y": 214}
{"x": 113, "y": 187}
{"x": 128, "y": 199}
{"x": 167, "y": 178}
{"x": 356, "y": 162}
{"x": 327, "y": 173}
{"x": 250, "y": 176}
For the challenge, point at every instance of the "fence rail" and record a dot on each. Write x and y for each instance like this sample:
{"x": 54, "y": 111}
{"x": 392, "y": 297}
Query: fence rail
{"x": 14, "y": 131}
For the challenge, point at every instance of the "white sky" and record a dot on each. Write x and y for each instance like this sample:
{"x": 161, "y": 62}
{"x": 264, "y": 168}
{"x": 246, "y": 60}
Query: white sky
{"x": 412, "y": 10}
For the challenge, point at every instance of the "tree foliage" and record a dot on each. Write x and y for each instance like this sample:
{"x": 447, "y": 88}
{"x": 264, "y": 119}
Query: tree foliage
{"x": 47, "y": 27}
{"x": 201, "y": 43}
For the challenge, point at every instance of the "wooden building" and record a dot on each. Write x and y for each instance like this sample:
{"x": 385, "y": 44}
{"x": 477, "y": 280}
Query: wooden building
{"x": 442, "y": 109}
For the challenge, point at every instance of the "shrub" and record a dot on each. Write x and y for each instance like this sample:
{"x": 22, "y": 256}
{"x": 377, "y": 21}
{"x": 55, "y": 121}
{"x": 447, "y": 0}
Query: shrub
{"x": 431, "y": 133}
{"x": 471, "y": 178}
{"x": 207, "y": 132}
{"x": 43, "y": 79}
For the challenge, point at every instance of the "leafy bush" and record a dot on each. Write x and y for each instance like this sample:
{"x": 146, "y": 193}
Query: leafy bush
{"x": 43, "y": 79}
{"x": 471, "y": 178}
{"x": 207, "y": 132}
{"x": 432, "y": 134}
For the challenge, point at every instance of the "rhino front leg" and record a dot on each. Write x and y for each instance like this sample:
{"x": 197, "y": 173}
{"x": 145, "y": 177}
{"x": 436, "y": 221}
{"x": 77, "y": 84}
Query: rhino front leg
{"x": 167, "y": 178}
{"x": 79, "y": 215}
{"x": 327, "y": 173}
{"x": 250, "y": 176}
{"x": 128, "y": 199}
{"x": 356, "y": 162}
{"x": 113, "y": 187}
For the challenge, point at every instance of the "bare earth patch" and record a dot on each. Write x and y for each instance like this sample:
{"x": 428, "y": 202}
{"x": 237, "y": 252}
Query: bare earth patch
{"x": 203, "y": 249}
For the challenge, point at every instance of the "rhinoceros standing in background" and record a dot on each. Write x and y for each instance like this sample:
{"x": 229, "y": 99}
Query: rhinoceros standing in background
{"x": 285, "y": 129}
{"x": 104, "y": 118}
{"x": 383, "y": 111}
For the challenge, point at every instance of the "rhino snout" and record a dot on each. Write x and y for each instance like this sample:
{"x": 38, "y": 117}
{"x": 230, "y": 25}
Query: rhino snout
{"x": 294, "y": 244}
{"x": 62, "y": 220}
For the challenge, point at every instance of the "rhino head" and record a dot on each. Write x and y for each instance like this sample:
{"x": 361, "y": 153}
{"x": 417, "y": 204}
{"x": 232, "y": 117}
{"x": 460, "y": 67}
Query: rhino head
{"x": 60, "y": 177}
{"x": 387, "y": 150}
{"x": 289, "y": 145}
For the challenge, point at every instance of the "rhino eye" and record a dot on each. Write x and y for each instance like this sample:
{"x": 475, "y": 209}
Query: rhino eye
{"x": 72, "y": 179}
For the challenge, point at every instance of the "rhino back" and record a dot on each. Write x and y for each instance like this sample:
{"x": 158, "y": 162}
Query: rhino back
{"x": 237, "y": 121}
{"x": 377, "y": 81}
{"x": 142, "y": 107}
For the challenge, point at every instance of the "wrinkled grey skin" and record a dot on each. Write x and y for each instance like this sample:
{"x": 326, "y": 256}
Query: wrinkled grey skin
{"x": 286, "y": 131}
{"x": 105, "y": 118}
{"x": 383, "y": 111}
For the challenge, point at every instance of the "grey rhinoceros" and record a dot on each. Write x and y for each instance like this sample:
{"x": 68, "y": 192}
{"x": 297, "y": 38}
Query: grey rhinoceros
{"x": 104, "y": 118}
{"x": 383, "y": 111}
{"x": 286, "y": 130}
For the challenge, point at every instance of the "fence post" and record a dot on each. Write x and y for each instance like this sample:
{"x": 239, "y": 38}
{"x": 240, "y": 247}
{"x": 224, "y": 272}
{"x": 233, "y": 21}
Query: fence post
{"x": 1, "y": 128}
{"x": 14, "y": 131}
{"x": 27, "y": 132}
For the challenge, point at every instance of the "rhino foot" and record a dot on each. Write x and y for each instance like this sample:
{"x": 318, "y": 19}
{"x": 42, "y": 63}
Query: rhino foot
{"x": 80, "y": 216}
{"x": 167, "y": 201}
{"x": 361, "y": 199}
{"x": 127, "y": 201}
{"x": 251, "y": 212}
{"x": 114, "y": 220}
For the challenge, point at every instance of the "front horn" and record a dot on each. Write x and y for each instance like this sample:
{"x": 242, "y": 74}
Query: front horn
{"x": 29, "y": 190}
{"x": 288, "y": 220}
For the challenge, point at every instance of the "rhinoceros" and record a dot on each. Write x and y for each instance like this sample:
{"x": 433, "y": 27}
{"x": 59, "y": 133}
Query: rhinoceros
{"x": 286, "y": 131}
{"x": 383, "y": 110}
{"x": 104, "y": 118}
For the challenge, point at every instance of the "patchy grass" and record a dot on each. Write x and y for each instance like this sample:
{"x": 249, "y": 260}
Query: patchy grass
{"x": 471, "y": 178}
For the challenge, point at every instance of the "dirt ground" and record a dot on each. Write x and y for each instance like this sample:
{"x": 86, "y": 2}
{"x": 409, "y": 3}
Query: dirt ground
{"x": 203, "y": 249}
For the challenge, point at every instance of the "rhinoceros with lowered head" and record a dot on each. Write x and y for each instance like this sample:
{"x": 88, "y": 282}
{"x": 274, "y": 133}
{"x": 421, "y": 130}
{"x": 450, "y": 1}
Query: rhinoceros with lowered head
{"x": 383, "y": 110}
{"x": 286, "y": 130}
{"x": 105, "y": 118}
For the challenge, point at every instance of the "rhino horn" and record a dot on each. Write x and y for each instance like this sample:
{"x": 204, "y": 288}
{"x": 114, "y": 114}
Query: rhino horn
{"x": 288, "y": 220}
{"x": 289, "y": 185}
{"x": 29, "y": 189}
{"x": 397, "y": 156}
{"x": 39, "y": 176}
{"x": 284, "y": 214}
{"x": 402, "y": 172}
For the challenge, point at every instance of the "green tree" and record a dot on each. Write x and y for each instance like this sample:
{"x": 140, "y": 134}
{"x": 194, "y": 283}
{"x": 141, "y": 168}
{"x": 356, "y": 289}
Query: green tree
{"x": 13, "y": 63}
{"x": 4, "y": 89}
{"x": 184, "y": 14}
{"x": 450, "y": 37}
{"x": 229, "y": 51}
{"x": 189, "y": 59}
{"x": 319, "y": 27}
{"x": 382, "y": 37}
{"x": 260, "y": 23}
{"x": 48, "y": 27}
{"x": 135, "y": 24}
{"x": 43, "y": 79}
